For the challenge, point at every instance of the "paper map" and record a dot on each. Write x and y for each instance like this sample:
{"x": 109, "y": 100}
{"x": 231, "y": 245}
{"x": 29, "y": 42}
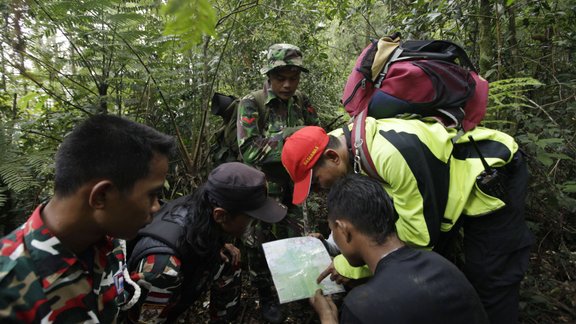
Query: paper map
{"x": 295, "y": 263}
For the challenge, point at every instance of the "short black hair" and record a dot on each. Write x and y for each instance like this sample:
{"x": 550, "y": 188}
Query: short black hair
{"x": 110, "y": 147}
{"x": 333, "y": 143}
{"x": 364, "y": 203}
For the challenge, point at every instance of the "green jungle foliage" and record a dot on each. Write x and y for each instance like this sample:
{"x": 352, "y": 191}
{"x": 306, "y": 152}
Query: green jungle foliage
{"x": 159, "y": 62}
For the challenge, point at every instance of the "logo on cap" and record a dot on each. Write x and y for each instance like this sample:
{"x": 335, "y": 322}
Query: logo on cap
{"x": 311, "y": 155}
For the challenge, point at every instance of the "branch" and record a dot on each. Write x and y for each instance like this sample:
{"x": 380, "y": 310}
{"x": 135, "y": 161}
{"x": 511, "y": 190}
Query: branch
{"x": 86, "y": 62}
{"x": 211, "y": 89}
{"x": 188, "y": 163}
{"x": 569, "y": 144}
{"x": 172, "y": 117}
{"x": 50, "y": 67}
{"x": 57, "y": 140}
{"x": 30, "y": 77}
{"x": 240, "y": 8}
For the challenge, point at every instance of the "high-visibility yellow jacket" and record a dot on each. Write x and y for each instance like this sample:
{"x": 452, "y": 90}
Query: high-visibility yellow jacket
{"x": 432, "y": 180}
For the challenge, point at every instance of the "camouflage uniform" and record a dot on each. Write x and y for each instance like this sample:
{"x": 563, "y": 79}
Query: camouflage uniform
{"x": 42, "y": 281}
{"x": 262, "y": 148}
{"x": 162, "y": 274}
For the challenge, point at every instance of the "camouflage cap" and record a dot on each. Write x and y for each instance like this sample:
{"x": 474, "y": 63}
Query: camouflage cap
{"x": 283, "y": 55}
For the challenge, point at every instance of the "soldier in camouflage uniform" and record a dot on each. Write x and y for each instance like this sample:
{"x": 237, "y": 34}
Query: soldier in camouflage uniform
{"x": 183, "y": 251}
{"x": 285, "y": 110}
{"x": 66, "y": 263}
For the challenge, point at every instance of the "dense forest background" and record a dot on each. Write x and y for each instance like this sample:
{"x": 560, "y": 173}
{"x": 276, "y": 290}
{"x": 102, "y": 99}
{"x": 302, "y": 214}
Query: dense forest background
{"x": 159, "y": 63}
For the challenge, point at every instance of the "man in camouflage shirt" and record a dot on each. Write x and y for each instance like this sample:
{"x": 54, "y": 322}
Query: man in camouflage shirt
{"x": 284, "y": 109}
{"x": 65, "y": 264}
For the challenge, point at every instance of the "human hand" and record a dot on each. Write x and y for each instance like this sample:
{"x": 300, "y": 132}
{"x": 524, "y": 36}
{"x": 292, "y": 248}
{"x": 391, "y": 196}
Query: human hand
{"x": 230, "y": 253}
{"x": 334, "y": 275}
{"x": 324, "y": 307}
{"x": 317, "y": 235}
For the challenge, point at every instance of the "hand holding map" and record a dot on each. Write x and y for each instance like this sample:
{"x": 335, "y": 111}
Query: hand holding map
{"x": 295, "y": 263}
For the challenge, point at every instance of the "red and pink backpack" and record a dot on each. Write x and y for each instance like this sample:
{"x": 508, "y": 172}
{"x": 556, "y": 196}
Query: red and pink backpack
{"x": 425, "y": 78}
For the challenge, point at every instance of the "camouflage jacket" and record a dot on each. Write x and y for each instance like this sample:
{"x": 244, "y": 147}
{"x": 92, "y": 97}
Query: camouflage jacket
{"x": 260, "y": 146}
{"x": 160, "y": 278}
{"x": 163, "y": 298}
{"x": 42, "y": 281}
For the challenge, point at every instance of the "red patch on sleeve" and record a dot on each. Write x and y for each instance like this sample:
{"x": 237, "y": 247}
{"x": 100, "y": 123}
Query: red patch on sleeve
{"x": 247, "y": 120}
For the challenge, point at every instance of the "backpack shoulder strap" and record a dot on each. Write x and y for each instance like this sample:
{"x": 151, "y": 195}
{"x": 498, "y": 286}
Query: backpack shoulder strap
{"x": 167, "y": 233}
{"x": 260, "y": 97}
{"x": 146, "y": 245}
{"x": 362, "y": 158}
{"x": 348, "y": 137}
{"x": 300, "y": 99}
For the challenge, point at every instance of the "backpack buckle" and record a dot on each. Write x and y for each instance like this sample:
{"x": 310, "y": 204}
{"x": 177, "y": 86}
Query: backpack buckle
{"x": 357, "y": 159}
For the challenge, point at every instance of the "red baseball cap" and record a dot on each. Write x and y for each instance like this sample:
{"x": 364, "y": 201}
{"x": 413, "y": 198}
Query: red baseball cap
{"x": 300, "y": 153}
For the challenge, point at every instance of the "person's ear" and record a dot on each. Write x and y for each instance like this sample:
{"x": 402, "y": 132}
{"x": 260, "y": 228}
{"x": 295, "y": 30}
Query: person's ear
{"x": 220, "y": 215}
{"x": 345, "y": 228}
{"x": 332, "y": 155}
{"x": 100, "y": 193}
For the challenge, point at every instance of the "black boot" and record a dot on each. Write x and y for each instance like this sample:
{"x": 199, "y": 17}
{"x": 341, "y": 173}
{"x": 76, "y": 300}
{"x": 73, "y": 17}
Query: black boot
{"x": 269, "y": 307}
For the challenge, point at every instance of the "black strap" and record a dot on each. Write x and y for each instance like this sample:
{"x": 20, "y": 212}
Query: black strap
{"x": 147, "y": 246}
{"x": 167, "y": 232}
{"x": 348, "y": 136}
{"x": 358, "y": 140}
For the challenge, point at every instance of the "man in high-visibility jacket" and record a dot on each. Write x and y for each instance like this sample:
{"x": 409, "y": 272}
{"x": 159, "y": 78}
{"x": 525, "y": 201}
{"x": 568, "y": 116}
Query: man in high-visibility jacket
{"x": 433, "y": 176}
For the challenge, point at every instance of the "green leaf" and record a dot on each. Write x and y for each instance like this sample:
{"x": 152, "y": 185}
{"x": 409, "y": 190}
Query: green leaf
{"x": 548, "y": 141}
{"x": 544, "y": 159}
{"x": 189, "y": 20}
{"x": 569, "y": 186}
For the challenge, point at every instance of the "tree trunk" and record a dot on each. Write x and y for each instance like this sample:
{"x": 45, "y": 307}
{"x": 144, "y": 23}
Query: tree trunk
{"x": 512, "y": 52}
{"x": 102, "y": 98}
{"x": 486, "y": 41}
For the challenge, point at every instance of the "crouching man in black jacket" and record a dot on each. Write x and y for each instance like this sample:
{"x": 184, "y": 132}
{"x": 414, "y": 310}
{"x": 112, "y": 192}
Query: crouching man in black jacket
{"x": 183, "y": 250}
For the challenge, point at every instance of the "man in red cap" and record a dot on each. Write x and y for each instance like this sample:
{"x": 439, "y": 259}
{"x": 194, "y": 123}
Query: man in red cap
{"x": 434, "y": 178}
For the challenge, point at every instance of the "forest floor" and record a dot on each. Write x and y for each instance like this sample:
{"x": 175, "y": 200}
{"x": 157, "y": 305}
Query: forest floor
{"x": 296, "y": 312}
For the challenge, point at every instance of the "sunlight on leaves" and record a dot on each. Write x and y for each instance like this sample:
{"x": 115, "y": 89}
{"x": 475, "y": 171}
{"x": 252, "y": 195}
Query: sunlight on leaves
{"x": 189, "y": 20}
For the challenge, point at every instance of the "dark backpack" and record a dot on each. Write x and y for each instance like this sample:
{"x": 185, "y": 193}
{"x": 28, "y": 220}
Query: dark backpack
{"x": 224, "y": 146}
{"x": 426, "y": 78}
{"x": 167, "y": 229}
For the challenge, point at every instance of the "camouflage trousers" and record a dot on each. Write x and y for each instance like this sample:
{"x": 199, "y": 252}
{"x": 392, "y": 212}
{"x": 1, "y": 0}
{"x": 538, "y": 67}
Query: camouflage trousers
{"x": 260, "y": 232}
{"x": 225, "y": 294}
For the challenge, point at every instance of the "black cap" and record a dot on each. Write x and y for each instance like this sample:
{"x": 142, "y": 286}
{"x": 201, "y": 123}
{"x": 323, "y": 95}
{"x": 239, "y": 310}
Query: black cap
{"x": 237, "y": 187}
